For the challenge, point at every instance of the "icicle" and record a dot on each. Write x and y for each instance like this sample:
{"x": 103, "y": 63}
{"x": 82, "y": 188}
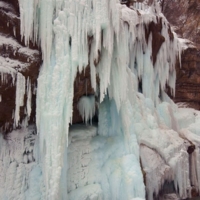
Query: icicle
{"x": 29, "y": 96}
{"x": 86, "y": 86}
{"x": 27, "y": 17}
{"x": 19, "y": 98}
{"x": 86, "y": 107}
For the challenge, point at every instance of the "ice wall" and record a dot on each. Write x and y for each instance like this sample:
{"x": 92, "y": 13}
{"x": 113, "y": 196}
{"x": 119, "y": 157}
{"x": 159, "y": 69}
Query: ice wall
{"x": 75, "y": 34}
{"x": 102, "y": 167}
{"x": 20, "y": 175}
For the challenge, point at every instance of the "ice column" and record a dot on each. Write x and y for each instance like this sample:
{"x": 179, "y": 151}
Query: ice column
{"x": 19, "y": 99}
{"x": 29, "y": 97}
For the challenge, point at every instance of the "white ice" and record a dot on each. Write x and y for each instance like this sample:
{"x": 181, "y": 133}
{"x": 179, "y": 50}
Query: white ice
{"x": 73, "y": 35}
{"x": 20, "y": 175}
{"x": 86, "y": 107}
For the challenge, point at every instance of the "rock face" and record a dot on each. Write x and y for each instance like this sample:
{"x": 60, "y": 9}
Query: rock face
{"x": 16, "y": 58}
{"x": 184, "y": 16}
{"x": 157, "y": 38}
{"x": 16, "y": 61}
{"x": 188, "y": 78}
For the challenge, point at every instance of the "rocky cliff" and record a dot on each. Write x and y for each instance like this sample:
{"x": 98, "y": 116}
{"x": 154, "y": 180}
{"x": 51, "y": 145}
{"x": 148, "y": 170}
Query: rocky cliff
{"x": 184, "y": 16}
{"x": 18, "y": 64}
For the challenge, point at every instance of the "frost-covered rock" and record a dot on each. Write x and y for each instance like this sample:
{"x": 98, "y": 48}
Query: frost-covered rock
{"x": 19, "y": 68}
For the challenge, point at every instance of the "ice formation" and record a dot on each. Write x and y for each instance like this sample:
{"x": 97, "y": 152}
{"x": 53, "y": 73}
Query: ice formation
{"x": 101, "y": 167}
{"x": 20, "y": 92}
{"x": 17, "y": 164}
{"x": 86, "y": 107}
{"x": 29, "y": 94}
{"x": 103, "y": 161}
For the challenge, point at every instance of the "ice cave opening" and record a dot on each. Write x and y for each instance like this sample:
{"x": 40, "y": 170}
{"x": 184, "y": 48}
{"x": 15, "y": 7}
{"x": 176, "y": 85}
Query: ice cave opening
{"x": 140, "y": 141}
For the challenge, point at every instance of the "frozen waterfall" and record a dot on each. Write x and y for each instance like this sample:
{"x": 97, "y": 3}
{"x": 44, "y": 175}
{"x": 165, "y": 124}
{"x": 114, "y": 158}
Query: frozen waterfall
{"x": 137, "y": 135}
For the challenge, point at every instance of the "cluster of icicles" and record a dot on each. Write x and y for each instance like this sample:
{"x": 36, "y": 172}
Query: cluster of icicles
{"x": 73, "y": 34}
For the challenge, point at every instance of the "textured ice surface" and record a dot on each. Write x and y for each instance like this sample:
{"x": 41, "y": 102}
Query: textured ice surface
{"x": 86, "y": 107}
{"x": 20, "y": 175}
{"x": 19, "y": 97}
{"x": 189, "y": 123}
{"x": 104, "y": 163}
{"x": 101, "y": 166}
{"x": 157, "y": 171}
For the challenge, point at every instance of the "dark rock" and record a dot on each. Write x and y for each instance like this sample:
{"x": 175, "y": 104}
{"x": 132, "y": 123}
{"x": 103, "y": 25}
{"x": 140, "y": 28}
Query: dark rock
{"x": 157, "y": 38}
{"x": 188, "y": 78}
{"x": 184, "y": 16}
{"x": 191, "y": 148}
{"x": 194, "y": 192}
{"x": 15, "y": 58}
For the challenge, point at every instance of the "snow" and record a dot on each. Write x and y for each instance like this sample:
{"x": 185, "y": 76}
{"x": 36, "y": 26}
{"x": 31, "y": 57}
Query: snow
{"x": 4, "y": 5}
{"x": 9, "y": 63}
{"x": 6, "y": 70}
{"x": 185, "y": 43}
{"x": 10, "y": 66}
{"x": 10, "y": 42}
